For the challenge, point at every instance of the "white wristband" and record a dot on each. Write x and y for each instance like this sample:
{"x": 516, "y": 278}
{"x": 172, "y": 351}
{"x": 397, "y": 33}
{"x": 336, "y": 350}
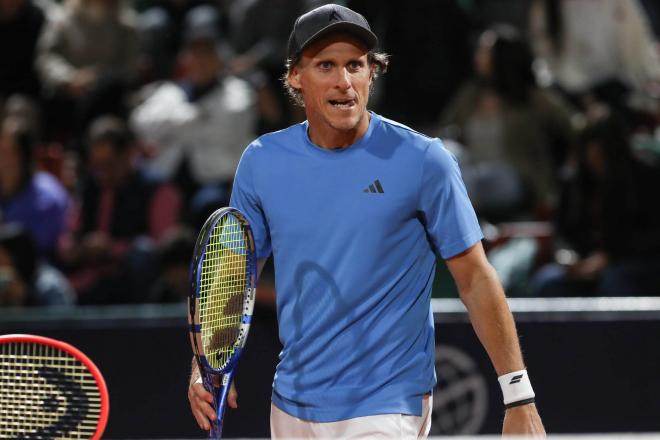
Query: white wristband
{"x": 516, "y": 388}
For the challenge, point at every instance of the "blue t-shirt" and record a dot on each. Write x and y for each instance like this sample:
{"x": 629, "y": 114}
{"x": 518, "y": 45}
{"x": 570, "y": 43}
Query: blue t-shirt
{"x": 354, "y": 233}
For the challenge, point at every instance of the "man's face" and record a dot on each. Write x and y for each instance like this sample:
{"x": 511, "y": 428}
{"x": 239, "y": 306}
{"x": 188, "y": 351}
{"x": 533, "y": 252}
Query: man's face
{"x": 334, "y": 76}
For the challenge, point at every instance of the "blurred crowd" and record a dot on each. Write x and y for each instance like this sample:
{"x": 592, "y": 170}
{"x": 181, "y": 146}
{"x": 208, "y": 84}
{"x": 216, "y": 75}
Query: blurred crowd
{"x": 121, "y": 125}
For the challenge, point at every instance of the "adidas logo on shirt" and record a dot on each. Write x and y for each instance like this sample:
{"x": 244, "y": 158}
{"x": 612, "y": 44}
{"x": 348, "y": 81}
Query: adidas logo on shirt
{"x": 375, "y": 187}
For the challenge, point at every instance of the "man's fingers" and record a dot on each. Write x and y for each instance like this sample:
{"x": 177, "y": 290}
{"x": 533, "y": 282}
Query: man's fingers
{"x": 197, "y": 408}
{"x": 201, "y": 405}
{"x": 201, "y": 419}
{"x": 205, "y": 402}
{"x": 201, "y": 393}
{"x": 206, "y": 396}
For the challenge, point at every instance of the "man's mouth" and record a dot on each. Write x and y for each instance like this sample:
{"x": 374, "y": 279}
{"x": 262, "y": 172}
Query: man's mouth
{"x": 342, "y": 103}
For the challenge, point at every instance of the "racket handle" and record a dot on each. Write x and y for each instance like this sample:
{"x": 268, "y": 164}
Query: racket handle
{"x": 220, "y": 403}
{"x": 207, "y": 381}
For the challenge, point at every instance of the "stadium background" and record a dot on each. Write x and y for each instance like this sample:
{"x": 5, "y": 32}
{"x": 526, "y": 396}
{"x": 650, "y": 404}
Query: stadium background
{"x": 122, "y": 123}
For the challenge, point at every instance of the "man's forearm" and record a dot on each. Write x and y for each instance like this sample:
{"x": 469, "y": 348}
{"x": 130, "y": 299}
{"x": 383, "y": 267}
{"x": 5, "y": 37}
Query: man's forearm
{"x": 493, "y": 322}
{"x": 482, "y": 294}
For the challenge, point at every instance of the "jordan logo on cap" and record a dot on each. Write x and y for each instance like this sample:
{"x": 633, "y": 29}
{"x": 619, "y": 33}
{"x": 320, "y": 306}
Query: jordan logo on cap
{"x": 334, "y": 16}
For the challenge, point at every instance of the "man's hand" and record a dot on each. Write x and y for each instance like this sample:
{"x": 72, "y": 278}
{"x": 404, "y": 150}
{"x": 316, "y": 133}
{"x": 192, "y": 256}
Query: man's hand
{"x": 523, "y": 420}
{"x": 201, "y": 403}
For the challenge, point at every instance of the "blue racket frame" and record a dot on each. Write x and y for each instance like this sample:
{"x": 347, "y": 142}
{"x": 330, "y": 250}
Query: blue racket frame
{"x": 207, "y": 372}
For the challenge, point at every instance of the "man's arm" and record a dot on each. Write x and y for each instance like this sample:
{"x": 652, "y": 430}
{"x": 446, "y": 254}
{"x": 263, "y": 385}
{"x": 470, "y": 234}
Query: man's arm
{"x": 483, "y": 296}
{"x": 201, "y": 401}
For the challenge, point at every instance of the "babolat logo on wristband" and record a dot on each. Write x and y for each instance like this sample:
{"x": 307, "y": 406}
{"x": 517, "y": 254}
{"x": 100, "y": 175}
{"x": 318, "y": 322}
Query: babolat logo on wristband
{"x": 516, "y": 388}
{"x": 516, "y": 379}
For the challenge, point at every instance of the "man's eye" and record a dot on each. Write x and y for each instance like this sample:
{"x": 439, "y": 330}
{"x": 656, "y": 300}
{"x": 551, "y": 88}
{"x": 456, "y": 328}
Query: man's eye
{"x": 355, "y": 65}
{"x": 325, "y": 65}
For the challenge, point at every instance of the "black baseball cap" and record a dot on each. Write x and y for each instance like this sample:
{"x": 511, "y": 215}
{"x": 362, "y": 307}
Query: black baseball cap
{"x": 325, "y": 19}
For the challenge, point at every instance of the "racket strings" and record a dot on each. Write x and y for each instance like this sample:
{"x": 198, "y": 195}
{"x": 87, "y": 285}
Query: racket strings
{"x": 223, "y": 283}
{"x": 46, "y": 393}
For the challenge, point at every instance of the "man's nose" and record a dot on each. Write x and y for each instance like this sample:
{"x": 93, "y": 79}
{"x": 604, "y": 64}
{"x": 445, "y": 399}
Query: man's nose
{"x": 343, "y": 79}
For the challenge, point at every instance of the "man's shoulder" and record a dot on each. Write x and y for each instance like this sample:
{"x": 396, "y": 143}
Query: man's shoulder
{"x": 397, "y": 130}
{"x": 415, "y": 142}
{"x": 403, "y": 129}
{"x": 432, "y": 151}
{"x": 276, "y": 140}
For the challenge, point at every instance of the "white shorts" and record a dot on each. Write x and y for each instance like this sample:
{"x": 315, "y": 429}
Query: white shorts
{"x": 284, "y": 426}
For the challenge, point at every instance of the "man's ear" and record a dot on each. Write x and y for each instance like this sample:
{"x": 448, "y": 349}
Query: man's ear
{"x": 294, "y": 77}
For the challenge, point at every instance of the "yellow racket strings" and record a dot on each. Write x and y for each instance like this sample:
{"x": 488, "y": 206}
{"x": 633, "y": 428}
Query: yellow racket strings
{"x": 222, "y": 286}
{"x": 46, "y": 393}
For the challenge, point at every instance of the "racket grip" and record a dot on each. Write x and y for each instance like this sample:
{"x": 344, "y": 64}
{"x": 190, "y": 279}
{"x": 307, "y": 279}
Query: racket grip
{"x": 220, "y": 403}
{"x": 207, "y": 381}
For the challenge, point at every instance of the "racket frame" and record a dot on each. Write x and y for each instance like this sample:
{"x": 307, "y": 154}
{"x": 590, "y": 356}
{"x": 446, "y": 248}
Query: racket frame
{"x": 207, "y": 372}
{"x": 79, "y": 355}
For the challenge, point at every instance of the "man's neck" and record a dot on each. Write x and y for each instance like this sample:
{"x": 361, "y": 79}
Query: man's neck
{"x": 334, "y": 139}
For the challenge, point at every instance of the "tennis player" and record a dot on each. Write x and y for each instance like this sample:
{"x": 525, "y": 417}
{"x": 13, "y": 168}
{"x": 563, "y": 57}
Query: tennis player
{"x": 354, "y": 209}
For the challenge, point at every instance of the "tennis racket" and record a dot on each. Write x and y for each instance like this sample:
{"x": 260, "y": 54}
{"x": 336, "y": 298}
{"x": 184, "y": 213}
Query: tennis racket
{"x": 223, "y": 283}
{"x": 49, "y": 390}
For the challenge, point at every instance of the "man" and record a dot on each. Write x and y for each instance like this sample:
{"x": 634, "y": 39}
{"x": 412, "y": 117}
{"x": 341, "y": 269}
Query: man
{"x": 199, "y": 125}
{"x": 354, "y": 208}
{"x": 34, "y": 199}
{"x": 122, "y": 212}
{"x": 26, "y": 280}
{"x": 88, "y": 59}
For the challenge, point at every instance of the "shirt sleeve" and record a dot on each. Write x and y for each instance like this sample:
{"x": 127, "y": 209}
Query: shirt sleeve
{"x": 245, "y": 198}
{"x": 447, "y": 212}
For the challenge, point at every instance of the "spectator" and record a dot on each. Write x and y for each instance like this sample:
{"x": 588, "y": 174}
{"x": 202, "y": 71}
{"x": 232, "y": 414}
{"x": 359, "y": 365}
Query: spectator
{"x": 173, "y": 254}
{"x": 88, "y": 58}
{"x": 489, "y": 12}
{"x": 36, "y": 200}
{"x": 200, "y": 125}
{"x": 259, "y": 36}
{"x": 24, "y": 108}
{"x": 260, "y": 32}
{"x": 599, "y": 47}
{"x": 161, "y": 25}
{"x": 109, "y": 254}
{"x": 418, "y": 87}
{"x": 24, "y": 279}
{"x": 508, "y": 123}
{"x": 608, "y": 232}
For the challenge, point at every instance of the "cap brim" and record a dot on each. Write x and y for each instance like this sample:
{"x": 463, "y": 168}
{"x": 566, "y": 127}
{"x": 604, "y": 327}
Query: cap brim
{"x": 362, "y": 34}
